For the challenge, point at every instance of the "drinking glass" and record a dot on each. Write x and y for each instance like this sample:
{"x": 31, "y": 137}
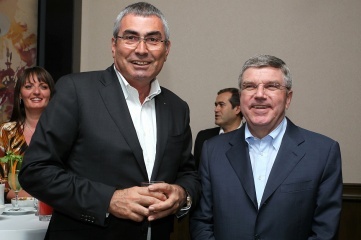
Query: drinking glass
{"x": 13, "y": 181}
{"x": 45, "y": 211}
{"x": 146, "y": 184}
{"x": 36, "y": 206}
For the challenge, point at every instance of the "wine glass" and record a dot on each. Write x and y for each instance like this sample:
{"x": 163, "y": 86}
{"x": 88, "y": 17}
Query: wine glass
{"x": 13, "y": 181}
{"x": 36, "y": 206}
{"x": 147, "y": 184}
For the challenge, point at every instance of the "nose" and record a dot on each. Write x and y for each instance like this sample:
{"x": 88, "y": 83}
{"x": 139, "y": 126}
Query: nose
{"x": 260, "y": 91}
{"x": 141, "y": 47}
{"x": 36, "y": 90}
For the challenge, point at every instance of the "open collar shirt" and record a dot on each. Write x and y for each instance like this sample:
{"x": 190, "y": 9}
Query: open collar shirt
{"x": 263, "y": 153}
{"x": 221, "y": 131}
{"x": 144, "y": 118}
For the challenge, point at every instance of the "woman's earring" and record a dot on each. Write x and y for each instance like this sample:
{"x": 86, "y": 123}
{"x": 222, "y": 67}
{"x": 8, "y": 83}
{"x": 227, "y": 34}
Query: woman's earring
{"x": 20, "y": 101}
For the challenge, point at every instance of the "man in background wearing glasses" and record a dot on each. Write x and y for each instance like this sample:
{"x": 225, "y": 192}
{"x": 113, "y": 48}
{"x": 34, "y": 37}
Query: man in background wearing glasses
{"x": 105, "y": 132}
{"x": 270, "y": 179}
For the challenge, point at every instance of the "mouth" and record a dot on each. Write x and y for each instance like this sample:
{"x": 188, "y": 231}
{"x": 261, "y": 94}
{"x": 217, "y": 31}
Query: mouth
{"x": 36, "y": 99}
{"x": 140, "y": 63}
{"x": 259, "y": 106}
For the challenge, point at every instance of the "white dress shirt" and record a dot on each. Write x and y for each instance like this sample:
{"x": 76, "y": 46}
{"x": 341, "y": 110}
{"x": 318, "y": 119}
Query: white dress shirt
{"x": 221, "y": 131}
{"x": 144, "y": 119}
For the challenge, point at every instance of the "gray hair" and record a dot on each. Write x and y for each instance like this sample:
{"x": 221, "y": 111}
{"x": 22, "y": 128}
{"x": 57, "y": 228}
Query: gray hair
{"x": 140, "y": 9}
{"x": 261, "y": 61}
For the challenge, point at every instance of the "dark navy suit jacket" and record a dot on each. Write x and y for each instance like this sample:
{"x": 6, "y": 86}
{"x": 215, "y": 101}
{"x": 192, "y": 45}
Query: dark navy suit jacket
{"x": 302, "y": 198}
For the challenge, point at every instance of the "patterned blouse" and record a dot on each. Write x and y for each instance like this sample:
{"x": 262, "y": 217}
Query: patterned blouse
{"x": 11, "y": 139}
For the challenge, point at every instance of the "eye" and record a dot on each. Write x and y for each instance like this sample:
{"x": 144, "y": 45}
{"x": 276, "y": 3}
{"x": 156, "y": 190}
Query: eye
{"x": 27, "y": 86}
{"x": 272, "y": 86}
{"x": 152, "y": 39}
{"x": 131, "y": 38}
{"x": 249, "y": 86}
{"x": 44, "y": 86}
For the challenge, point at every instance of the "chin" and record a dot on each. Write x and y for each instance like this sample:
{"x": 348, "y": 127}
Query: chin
{"x": 143, "y": 77}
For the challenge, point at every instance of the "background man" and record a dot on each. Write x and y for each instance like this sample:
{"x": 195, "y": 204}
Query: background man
{"x": 107, "y": 131}
{"x": 270, "y": 179}
{"x": 228, "y": 116}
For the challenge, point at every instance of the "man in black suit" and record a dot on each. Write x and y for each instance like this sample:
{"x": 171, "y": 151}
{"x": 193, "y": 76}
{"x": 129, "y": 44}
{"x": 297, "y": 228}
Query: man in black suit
{"x": 228, "y": 117}
{"x": 105, "y": 132}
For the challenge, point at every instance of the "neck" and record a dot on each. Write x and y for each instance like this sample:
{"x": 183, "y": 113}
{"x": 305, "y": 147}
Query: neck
{"x": 143, "y": 88}
{"x": 32, "y": 119}
{"x": 143, "y": 92}
{"x": 232, "y": 127}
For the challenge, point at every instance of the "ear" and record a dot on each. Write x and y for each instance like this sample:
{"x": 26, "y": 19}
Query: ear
{"x": 167, "y": 49}
{"x": 289, "y": 98}
{"x": 113, "y": 46}
{"x": 237, "y": 109}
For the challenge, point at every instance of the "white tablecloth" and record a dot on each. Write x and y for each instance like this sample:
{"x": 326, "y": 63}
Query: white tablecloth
{"x": 22, "y": 227}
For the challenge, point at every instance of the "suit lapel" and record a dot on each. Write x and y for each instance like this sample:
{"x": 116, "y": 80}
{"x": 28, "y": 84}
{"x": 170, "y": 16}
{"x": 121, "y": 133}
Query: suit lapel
{"x": 289, "y": 154}
{"x": 162, "y": 114}
{"x": 238, "y": 157}
{"x": 115, "y": 102}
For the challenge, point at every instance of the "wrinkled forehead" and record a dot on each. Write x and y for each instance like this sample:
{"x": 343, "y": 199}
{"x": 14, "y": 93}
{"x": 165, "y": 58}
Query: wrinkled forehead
{"x": 263, "y": 74}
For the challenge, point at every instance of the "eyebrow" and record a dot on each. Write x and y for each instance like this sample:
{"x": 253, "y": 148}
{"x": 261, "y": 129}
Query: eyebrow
{"x": 266, "y": 81}
{"x": 147, "y": 34}
{"x": 219, "y": 102}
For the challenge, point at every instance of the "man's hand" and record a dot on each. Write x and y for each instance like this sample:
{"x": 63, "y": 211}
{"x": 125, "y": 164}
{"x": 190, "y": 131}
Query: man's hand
{"x": 132, "y": 203}
{"x": 176, "y": 198}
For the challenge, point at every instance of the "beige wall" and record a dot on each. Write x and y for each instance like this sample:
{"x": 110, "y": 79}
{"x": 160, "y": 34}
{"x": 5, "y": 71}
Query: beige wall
{"x": 319, "y": 40}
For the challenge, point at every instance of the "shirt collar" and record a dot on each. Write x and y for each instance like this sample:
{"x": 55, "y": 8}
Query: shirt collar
{"x": 221, "y": 131}
{"x": 154, "y": 86}
{"x": 276, "y": 134}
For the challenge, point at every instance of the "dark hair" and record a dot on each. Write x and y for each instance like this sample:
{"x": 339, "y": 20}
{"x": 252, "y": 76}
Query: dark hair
{"x": 234, "y": 100}
{"x": 18, "y": 115}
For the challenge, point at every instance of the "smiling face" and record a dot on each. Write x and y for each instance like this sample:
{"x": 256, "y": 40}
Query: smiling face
{"x": 264, "y": 109}
{"x": 139, "y": 65}
{"x": 225, "y": 115}
{"x": 35, "y": 94}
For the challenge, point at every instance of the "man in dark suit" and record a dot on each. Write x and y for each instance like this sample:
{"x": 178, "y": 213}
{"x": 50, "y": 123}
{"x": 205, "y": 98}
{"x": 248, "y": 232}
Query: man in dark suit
{"x": 105, "y": 132}
{"x": 227, "y": 115}
{"x": 270, "y": 179}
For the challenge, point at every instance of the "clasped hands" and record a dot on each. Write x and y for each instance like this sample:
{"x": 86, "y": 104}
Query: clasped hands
{"x": 152, "y": 202}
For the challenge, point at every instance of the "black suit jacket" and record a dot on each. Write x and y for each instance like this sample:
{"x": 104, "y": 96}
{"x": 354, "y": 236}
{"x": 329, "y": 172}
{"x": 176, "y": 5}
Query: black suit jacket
{"x": 202, "y": 136}
{"x": 85, "y": 147}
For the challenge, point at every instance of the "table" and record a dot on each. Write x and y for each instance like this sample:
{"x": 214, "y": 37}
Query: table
{"x": 22, "y": 227}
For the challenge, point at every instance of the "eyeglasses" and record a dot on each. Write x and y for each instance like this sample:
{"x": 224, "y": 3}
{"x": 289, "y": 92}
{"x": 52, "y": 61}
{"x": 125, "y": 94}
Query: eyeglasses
{"x": 151, "y": 42}
{"x": 268, "y": 87}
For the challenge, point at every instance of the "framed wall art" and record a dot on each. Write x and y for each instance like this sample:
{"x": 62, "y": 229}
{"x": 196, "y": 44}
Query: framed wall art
{"x": 18, "y": 47}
